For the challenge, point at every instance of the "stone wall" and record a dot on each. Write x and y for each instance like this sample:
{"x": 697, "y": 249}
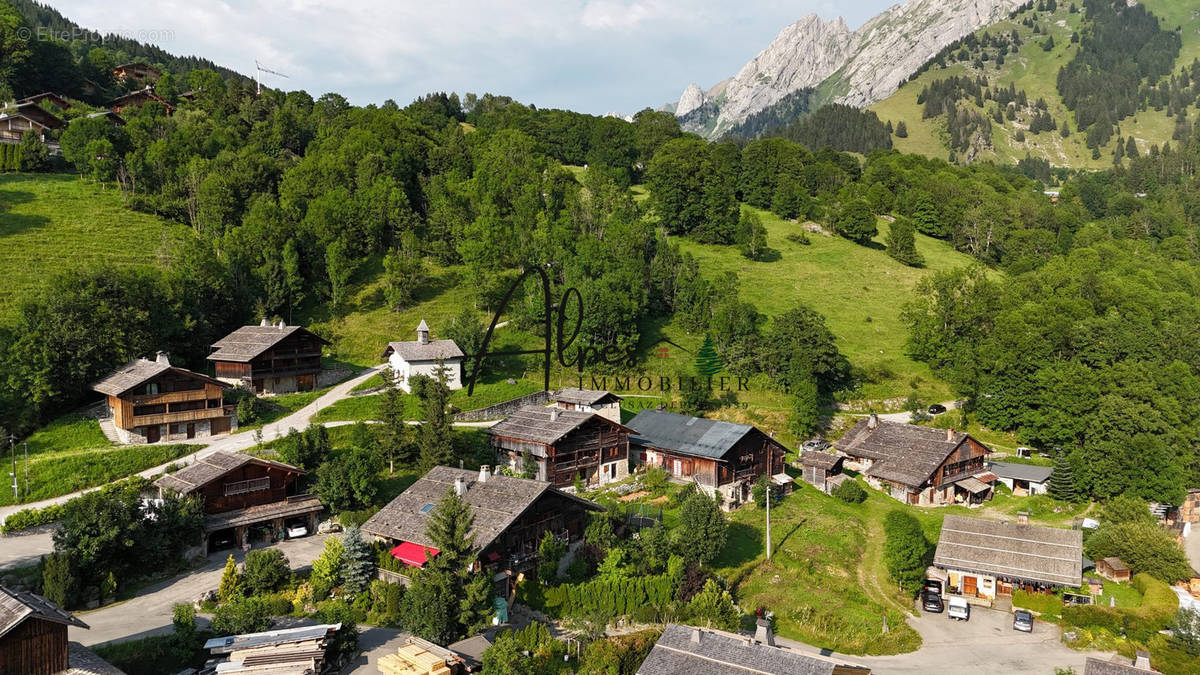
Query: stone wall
{"x": 502, "y": 410}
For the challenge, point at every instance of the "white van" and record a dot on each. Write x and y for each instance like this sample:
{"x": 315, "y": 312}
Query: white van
{"x": 958, "y": 609}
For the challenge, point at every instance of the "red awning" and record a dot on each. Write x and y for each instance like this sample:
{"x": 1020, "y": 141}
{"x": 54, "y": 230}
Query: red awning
{"x": 413, "y": 554}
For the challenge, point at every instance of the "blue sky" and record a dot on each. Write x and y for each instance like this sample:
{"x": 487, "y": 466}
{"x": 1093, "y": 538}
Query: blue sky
{"x": 588, "y": 55}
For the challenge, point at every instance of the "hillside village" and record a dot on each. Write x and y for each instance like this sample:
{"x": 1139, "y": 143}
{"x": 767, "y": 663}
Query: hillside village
{"x": 290, "y": 385}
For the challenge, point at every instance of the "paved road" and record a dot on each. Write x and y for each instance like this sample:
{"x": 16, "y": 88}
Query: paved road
{"x": 985, "y": 645}
{"x": 149, "y": 612}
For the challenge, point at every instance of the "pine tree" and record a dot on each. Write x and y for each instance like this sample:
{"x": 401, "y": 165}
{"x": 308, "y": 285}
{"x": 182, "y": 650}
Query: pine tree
{"x": 901, "y": 129}
{"x": 57, "y": 580}
{"x": 360, "y": 563}
{"x": 901, "y": 243}
{"x": 1063, "y": 484}
{"x": 434, "y": 436}
{"x": 449, "y": 529}
{"x": 231, "y": 582}
{"x": 394, "y": 431}
{"x": 708, "y": 363}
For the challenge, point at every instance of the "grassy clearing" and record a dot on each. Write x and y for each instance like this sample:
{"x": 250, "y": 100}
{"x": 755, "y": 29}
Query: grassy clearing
{"x": 354, "y": 409}
{"x": 54, "y": 473}
{"x": 52, "y": 222}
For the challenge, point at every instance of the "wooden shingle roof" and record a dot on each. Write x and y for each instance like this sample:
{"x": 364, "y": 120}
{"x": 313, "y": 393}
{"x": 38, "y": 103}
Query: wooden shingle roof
{"x": 683, "y": 650}
{"x": 1094, "y": 666}
{"x": 17, "y": 606}
{"x": 1044, "y": 555}
{"x": 495, "y": 504}
{"x": 539, "y": 424}
{"x": 34, "y": 113}
{"x": 415, "y": 352}
{"x": 204, "y": 471}
{"x": 584, "y": 396}
{"x": 247, "y": 342}
{"x": 902, "y": 453}
{"x": 820, "y": 460}
{"x": 140, "y": 371}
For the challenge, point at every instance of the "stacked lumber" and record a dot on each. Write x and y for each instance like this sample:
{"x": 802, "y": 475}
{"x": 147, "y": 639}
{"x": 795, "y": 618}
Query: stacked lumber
{"x": 295, "y": 651}
{"x": 417, "y": 657}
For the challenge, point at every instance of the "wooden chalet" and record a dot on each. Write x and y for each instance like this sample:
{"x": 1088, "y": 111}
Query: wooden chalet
{"x": 139, "y": 98}
{"x": 511, "y": 516}
{"x": 245, "y": 498}
{"x": 54, "y": 100}
{"x": 1113, "y": 569}
{"x": 988, "y": 558}
{"x": 684, "y": 650}
{"x": 719, "y": 457}
{"x": 818, "y": 467}
{"x": 603, "y": 403}
{"x": 563, "y": 445}
{"x": 919, "y": 465}
{"x": 152, "y": 401}
{"x": 140, "y": 72}
{"x": 33, "y": 634}
{"x": 16, "y": 120}
{"x": 272, "y": 359}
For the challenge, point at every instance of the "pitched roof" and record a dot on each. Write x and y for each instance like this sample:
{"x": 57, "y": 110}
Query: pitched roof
{"x": 286, "y": 508}
{"x": 539, "y": 424}
{"x": 1030, "y": 472}
{"x": 207, "y": 469}
{"x": 1044, "y": 555}
{"x": 687, "y": 435}
{"x": 140, "y": 371}
{"x": 17, "y": 606}
{"x": 34, "y": 112}
{"x": 246, "y": 343}
{"x": 903, "y": 453}
{"x": 83, "y": 661}
{"x": 1116, "y": 564}
{"x": 719, "y": 653}
{"x": 433, "y": 350}
{"x": 495, "y": 504}
{"x": 1094, "y": 666}
{"x": 820, "y": 460}
{"x": 47, "y": 96}
{"x": 583, "y": 396}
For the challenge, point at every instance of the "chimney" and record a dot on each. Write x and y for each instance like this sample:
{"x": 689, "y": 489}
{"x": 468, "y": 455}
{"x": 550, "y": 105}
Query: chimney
{"x": 162, "y": 358}
{"x": 1142, "y": 661}
{"x": 423, "y": 333}
{"x": 1022, "y": 517}
{"x": 460, "y": 487}
{"x": 554, "y": 414}
{"x": 873, "y": 422}
{"x": 763, "y": 633}
{"x": 950, "y": 435}
{"x": 264, "y": 323}
{"x": 485, "y": 472}
{"x": 695, "y": 639}
{"x": 282, "y": 325}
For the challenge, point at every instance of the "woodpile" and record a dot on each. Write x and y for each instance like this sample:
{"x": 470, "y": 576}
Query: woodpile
{"x": 418, "y": 657}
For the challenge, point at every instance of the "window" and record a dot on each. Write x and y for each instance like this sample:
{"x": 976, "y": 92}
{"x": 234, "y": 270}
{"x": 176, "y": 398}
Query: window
{"x": 244, "y": 486}
{"x": 139, "y": 410}
{"x": 427, "y": 508}
{"x": 152, "y": 389}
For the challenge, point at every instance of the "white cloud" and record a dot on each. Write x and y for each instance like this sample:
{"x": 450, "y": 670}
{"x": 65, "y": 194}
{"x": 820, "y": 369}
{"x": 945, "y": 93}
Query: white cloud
{"x": 588, "y": 55}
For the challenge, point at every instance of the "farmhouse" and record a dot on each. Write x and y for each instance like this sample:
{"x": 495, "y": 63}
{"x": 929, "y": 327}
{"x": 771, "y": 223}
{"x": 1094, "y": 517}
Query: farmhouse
{"x": 142, "y": 72}
{"x": 17, "y": 119}
{"x": 424, "y": 357}
{"x": 511, "y": 516}
{"x": 151, "y": 401}
{"x": 562, "y": 445}
{"x": 987, "y": 558}
{"x": 603, "y": 403}
{"x": 1113, "y": 569}
{"x": 33, "y": 639}
{"x": 719, "y": 457}
{"x": 270, "y": 359}
{"x": 918, "y": 465}
{"x": 245, "y": 498}
{"x": 139, "y": 98}
{"x": 683, "y": 650}
{"x": 819, "y": 467}
{"x": 1022, "y": 479}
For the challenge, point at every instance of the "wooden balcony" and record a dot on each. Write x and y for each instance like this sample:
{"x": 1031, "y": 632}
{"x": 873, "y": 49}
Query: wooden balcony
{"x": 171, "y": 397}
{"x": 184, "y": 416}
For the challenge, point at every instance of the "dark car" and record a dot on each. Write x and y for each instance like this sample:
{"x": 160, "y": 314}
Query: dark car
{"x": 221, "y": 540}
{"x": 1023, "y": 621}
{"x": 933, "y": 586}
{"x": 931, "y": 602}
{"x": 937, "y": 409}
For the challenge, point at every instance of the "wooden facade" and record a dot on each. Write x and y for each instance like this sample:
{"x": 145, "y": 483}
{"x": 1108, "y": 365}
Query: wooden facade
{"x": 595, "y": 452}
{"x": 251, "y": 484}
{"x": 153, "y": 400}
{"x": 269, "y": 359}
{"x": 34, "y": 647}
{"x": 517, "y": 546}
{"x": 754, "y": 455}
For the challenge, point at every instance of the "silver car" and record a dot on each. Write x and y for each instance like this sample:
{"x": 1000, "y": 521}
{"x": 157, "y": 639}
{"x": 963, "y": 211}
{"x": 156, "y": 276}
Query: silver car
{"x": 1023, "y": 621}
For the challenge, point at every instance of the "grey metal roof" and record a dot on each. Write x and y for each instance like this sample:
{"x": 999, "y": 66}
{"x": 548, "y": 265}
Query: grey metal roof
{"x": 204, "y": 471}
{"x": 584, "y": 396}
{"x": 415, "y": 352}
{"x": 539, "y": 424}
{"x": 17, "y": 606}
{"x": 1029, "y": 472}
{"x": 138, "y": 372}
{"x": 1045, "y": 555}
{"x": 225, "y": 645}
{"x": 247, "y": 342}
{"x": 718, "y": 653}
{"x": 495, "y": 504}
{"x": 688, "y": 435}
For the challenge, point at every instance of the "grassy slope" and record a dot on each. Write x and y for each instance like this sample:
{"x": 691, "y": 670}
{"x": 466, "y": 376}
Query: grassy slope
{"x": 57, "y": 221}
{"x": 1035, "y": 71}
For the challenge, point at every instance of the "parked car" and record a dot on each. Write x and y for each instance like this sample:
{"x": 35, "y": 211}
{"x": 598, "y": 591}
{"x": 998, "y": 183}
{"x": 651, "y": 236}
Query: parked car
{"x": 221, "y": 540}
{"x": 937, "y": 409}
{"x": 931, "y": 602}
{"x": 932, "y": 586}
{"x": 297, "y": 527}
{"x": 1023, "y": 621}
{"x": 815, "y": 444}
{"x": 958, "y": 609}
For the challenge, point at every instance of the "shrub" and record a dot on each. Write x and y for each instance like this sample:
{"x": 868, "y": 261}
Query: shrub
{"x": 356, "y": 518}
{"x": 265, "y": 570}
{"x": 618, "y": 655}
{"x": 799, "y": 238}
{"x": 242, "y": 615}
{"x": 231, "y": 582}
{"x": 29, "y": 518}
{"x": 850, "y": 491}
{"x": 654, "y": 479}
{"x": 906, "y": 550}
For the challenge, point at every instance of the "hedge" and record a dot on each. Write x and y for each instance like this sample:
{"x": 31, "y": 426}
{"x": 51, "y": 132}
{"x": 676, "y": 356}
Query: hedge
{"x": 10, "y": 157}
{"x": 609, "y": 597}
{"x": 28, "y": 518}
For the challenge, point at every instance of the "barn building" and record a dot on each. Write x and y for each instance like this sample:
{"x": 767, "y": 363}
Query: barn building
{"x": 269, "y": 359}
{"x": 33, "y": 639}
{"x": 819, "y": 467}
{"x": 152, "y": 401}
{"x": 562, "y": 445}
